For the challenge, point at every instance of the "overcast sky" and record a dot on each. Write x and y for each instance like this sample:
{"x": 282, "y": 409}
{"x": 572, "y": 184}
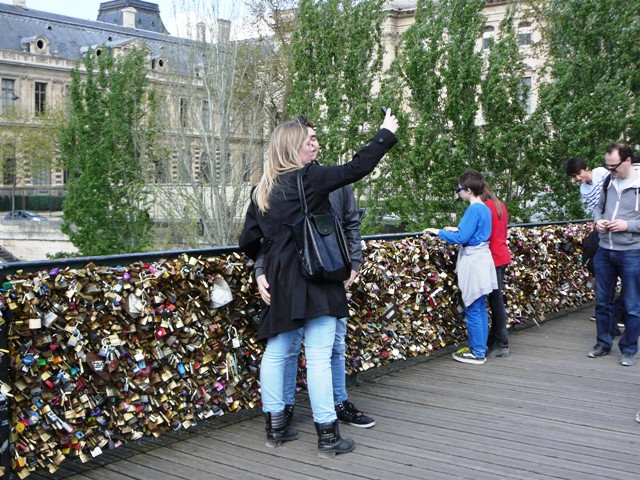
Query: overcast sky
{"x": 88, "y": 9}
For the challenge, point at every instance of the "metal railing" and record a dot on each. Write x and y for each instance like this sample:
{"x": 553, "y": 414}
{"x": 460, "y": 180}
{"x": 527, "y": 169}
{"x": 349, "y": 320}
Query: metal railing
{"x": 118, "y": 260}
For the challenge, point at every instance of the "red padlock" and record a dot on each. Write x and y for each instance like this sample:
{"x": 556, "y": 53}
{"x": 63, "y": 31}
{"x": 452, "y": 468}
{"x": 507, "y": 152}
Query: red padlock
{"x": 160, "y": 333}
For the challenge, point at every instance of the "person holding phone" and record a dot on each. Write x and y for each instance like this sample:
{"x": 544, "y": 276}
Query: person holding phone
{"x": 344, "y": 208}
{"x": 294, "y": 302}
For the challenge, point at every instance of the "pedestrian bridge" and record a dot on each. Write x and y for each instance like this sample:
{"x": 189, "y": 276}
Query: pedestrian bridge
{"x": 545, "y": 412}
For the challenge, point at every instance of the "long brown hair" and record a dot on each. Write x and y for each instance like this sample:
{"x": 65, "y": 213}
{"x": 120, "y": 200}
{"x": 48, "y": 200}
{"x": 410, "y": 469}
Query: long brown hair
{"x": 489, "y": 195}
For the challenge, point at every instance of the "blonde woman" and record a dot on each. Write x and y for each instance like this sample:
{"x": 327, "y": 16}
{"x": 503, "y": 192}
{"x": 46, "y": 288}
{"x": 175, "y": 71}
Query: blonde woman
{"x": 295, "y": 303}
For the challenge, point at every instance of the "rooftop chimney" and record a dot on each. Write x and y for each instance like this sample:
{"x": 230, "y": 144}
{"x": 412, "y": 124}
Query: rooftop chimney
{"x": 224, "y": 30}
{"x": 20, "y": 3}
{"x": 129, "y": 17}
{"x": 201, "y": 29}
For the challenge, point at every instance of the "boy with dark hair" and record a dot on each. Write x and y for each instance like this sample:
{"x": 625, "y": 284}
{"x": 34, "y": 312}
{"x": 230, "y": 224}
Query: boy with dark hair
{"x": 590, "y": 181}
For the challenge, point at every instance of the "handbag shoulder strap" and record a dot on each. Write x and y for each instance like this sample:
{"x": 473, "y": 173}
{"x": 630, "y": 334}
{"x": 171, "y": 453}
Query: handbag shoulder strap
{"x": 303, "y": 198}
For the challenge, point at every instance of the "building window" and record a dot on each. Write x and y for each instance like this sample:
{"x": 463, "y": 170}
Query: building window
{"x": 41, "y": 45}
{"x": 41, "y": 97}
{"x": 9, "y": 167}
{"x": 206, "y": 116}
{"x": 205, "y": 169}
{"x": 246, "y": 169}
{"x": 488, "y": 37}
{"x": 41, "y": 176}
{"x": 525, "y": 94}
{"x": 158, "y": 63}
{"x": 524, "y": 34}
{"x": 183, "y": 112}
{"x": 185, "y": 169}
{"x": 8, "y": 94}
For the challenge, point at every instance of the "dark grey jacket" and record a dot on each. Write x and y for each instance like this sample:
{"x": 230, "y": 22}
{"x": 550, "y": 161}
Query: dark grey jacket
{"x": 623, "y": 205}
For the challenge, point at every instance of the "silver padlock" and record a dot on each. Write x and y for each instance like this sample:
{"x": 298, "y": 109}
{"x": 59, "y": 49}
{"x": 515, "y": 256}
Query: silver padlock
{"x": 104, "y": 349}
{"x": 234, "y": 338}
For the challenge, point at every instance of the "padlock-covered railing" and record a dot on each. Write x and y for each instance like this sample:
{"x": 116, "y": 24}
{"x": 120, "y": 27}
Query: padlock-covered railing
{"x": 102, "y": 351}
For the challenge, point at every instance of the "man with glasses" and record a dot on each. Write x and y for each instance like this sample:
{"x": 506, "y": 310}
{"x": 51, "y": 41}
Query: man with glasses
{"x": 617, "y": 220}
{"x": 590, "y": 188}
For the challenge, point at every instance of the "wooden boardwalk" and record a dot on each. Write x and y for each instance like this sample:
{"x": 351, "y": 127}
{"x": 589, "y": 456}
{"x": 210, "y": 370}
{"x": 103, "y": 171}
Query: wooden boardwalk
{"x": 546, "y": 412}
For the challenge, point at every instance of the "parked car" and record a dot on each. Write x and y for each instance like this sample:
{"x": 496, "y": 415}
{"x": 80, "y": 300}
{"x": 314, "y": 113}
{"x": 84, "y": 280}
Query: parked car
{"x": 25, "y": 215}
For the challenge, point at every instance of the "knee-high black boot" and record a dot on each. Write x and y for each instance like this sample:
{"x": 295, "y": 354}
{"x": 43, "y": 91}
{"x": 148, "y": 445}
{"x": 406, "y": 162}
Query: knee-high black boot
{"x": 277, "y": 430}
{"x": 330, "y": 443}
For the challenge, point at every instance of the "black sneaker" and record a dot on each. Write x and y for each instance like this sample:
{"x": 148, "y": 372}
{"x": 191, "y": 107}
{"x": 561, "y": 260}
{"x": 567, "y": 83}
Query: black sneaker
{"x": 496, "y": 351}
{"x": 348, "y": 413}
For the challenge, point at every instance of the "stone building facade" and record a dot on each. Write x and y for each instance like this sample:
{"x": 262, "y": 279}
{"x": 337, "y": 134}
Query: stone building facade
{"x": 38, "y": 51}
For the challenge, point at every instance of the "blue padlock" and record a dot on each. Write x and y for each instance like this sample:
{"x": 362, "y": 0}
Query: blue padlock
{"x": 28, "y": 360}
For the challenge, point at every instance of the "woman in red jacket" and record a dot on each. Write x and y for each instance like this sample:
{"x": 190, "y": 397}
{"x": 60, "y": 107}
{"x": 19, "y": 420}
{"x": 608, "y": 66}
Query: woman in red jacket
{"x": 498, "y": 343}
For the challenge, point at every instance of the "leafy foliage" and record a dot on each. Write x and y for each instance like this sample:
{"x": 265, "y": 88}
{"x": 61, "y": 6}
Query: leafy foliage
{"x": 438, "y": 69}
{"x": 591, "y": 98}
{"x": 507, "y": 159}
{"x": 337, "y": 56}
{"x": 102, "y": 146}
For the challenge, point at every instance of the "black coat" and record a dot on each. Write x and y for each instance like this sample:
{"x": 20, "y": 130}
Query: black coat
{"x": 294, "y": 299}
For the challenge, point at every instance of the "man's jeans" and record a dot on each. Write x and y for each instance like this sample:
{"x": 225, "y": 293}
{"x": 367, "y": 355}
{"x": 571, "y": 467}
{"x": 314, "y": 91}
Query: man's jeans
{"x": 338, "y": 371}
{"x": 319, "y": 334}
{"x": 609, "y": 266}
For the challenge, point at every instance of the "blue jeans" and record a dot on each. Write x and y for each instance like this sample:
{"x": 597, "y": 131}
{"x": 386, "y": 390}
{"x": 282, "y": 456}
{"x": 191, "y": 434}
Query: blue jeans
{"x": 319, "y": 334}
{"x": 498, "y": 329}
{"x": 338, "y": 371}
{"x": 477, "y": 326}
{"x": 609, "y": 266}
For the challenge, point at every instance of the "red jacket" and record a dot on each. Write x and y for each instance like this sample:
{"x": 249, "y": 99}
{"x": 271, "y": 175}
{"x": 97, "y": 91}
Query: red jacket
{"x": 498, "y": 239}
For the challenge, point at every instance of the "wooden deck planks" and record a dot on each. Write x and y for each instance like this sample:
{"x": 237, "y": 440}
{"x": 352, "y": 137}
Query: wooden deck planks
{"x": 546, "y": 412}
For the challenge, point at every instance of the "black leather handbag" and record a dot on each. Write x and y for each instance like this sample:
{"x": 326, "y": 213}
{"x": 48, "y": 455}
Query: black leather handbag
{"x": 320, "y": 243}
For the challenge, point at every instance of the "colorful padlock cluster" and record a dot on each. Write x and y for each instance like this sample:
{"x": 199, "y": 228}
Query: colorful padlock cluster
{"x": 105, "y": 355}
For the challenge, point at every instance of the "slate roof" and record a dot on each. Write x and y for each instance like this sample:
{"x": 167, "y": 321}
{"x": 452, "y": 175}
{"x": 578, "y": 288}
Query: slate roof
{"x": 67, "y": 35}
{"x": 147, "y": 15}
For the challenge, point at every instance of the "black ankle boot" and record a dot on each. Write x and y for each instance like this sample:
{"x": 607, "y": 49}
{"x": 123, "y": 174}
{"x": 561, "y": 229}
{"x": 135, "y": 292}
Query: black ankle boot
{"x": 277, "y": 430}
{"x": 330, "y": 443}
{"x": 288, "y": 415}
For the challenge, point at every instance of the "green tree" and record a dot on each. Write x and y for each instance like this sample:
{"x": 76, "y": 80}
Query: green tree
{"x": 336, "y": 59}
{"x": 507, "y": 159}
{"x": 592, "y": 96}
{"x": 438, "y": 70}
{"x": 102, "y": 146}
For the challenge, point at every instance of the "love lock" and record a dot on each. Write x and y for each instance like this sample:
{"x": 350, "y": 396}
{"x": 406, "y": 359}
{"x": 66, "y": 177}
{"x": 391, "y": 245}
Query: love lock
{"x": 104, "y": 349}
{"x": 234, "y": 338}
